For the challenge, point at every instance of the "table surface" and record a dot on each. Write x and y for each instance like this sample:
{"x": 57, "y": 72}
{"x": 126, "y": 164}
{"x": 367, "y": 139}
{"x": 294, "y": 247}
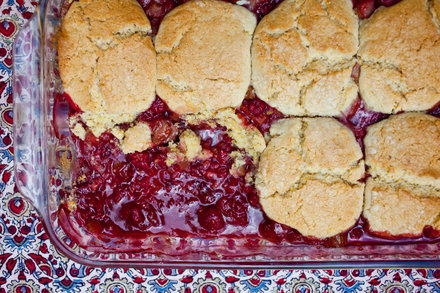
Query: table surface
{"x": 29, "y": 263}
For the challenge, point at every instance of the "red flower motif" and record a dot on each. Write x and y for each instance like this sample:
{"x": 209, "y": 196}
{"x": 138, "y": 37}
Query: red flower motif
{"x": 187, "y": 279}
{"x": 44, "y": 280}
{"x": 30, "y": 264}
{"x": 420, "y": 283}
{"x": 10, "y": 265}
{"x": 231, "y": 279}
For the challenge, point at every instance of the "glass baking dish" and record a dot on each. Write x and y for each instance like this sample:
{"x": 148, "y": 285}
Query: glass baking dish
{"x": 40, "y": 168}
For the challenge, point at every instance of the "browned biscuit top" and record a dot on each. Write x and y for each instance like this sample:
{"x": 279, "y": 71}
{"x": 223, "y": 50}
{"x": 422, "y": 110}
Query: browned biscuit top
{"x": 400, "y": 57}
{"x": 405, "y": 147}
{"x": 398, "y": 209}
{"x": 203, "y": 56}
{"x": 403, "y": 193}
{"x": 107, "y": 62}
{"x": 308, "y": 176}
{"x": 302, "y": 57}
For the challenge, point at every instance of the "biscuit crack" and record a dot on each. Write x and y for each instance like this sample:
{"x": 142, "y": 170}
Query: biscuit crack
{"x": 336, "y": 21}
{"x": 423, "y": 190}
{"x": 301, "y": 135}
{"x": 221, "y": 79}
{"x": 171, "y": 50}
{"x": 432, "y": 14}
{"x": 175, "y": 85}
{"x": 183, "y": 88}
{"x": 327, "y": 178}
{"x": 380, "y": 64}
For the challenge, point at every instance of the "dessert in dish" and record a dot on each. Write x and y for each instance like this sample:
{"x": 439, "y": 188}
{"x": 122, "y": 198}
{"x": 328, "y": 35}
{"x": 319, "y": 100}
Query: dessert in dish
{"x": 308, "y": 176}
{"x": 107, "y": 61}
{"x": 202, "y": 168}
{"x": 203, "y": 56}
{"x": 403, "y": 193}
{"x": 400, "y": 56}
{"x": 303, "y": 55}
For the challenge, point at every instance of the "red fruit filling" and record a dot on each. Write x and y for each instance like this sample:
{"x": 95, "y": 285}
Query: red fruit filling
{"x": 358, "y": 118}
{"x": 138, "y": 195}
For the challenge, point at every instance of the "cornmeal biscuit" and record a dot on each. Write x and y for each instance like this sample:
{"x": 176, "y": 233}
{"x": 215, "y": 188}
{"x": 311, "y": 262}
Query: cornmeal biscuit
{"x": 405, "y": 148}
{"x": 203, "y": 56}
{"x": 399, "y": 210}
{"x": 403, "y": 193}
{"x": 107, "y": 62}
{"x": 400, "y": 57}
{"x": 302, "y": 57}
{"x": 308, "y": 176}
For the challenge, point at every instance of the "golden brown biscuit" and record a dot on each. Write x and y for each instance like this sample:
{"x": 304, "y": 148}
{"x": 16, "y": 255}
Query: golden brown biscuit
{"x": 308, "y": 176}
{"x": 107, "y": 62}
{"x": 403, "y": 194}
{"x": 302, "y": 57}
{"x": 399, "y": 210}
{"x": 400, "y": 56}
{"x": 405, "y": 147}
{"x": 203, "y": 56}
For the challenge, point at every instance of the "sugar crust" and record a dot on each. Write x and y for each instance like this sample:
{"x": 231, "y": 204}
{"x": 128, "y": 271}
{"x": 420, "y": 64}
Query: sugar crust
{"x": 107, "y": 61}
{"x": 400, "y": 57}
{"x": 203, "y": 56}
{"x": 403, "y": 193}
{"x": 308, "y": 179}
{"x": 302, "y": 57}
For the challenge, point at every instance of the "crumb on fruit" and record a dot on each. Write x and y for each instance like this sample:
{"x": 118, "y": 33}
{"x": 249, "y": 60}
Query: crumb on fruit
{"x": 189, "y": 144}
{"x": 245, "y": 137}
{"x": 137, "y": 138}
{"x": 172, "y": 155}
{"x": 101, "y": 122}
{"x": 65, "y": 162}
{"x": 77, "y": 127}
{"x": 239, "y": 162}
{"x": 188, "y": 148}
{"x": 118, "y": 133}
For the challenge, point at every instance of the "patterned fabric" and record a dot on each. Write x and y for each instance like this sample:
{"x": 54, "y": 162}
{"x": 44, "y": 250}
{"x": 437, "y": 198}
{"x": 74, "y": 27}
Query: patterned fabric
{"x": 29, "y": 263}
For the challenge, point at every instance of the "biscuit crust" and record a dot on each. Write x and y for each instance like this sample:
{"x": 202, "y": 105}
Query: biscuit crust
{"x": 400, "y": 57}
{"x": 308, "y": 179}
{"x": 405, "y": 148}
{"x": 399, "y": 210}
{"x": 403, "y": 193}
{"x": 107, "y": 62}
{"x": 302, "y": 57}
{"x": 203, "y": 56}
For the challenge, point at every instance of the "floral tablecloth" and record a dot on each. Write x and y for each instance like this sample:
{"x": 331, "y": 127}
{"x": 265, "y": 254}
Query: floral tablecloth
{"x": 29, "y": 263}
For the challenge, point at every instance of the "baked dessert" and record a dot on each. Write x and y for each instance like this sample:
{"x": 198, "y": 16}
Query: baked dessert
{"x": 403, "y": 193}
{"x": 203, "y": 56}
{"x": 192, "y": 175}
{"x": 107, "y": 61}
{"x": 308, "y": 179}
{"x": 400, "y": 56}
{"x": 302, "y": 57}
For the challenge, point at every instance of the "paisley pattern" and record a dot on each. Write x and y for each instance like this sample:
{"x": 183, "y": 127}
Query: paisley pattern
{"x": 29, "y": 263}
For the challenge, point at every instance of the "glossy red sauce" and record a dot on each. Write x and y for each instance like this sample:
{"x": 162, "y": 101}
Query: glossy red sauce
{"x": 138, "y": 195}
